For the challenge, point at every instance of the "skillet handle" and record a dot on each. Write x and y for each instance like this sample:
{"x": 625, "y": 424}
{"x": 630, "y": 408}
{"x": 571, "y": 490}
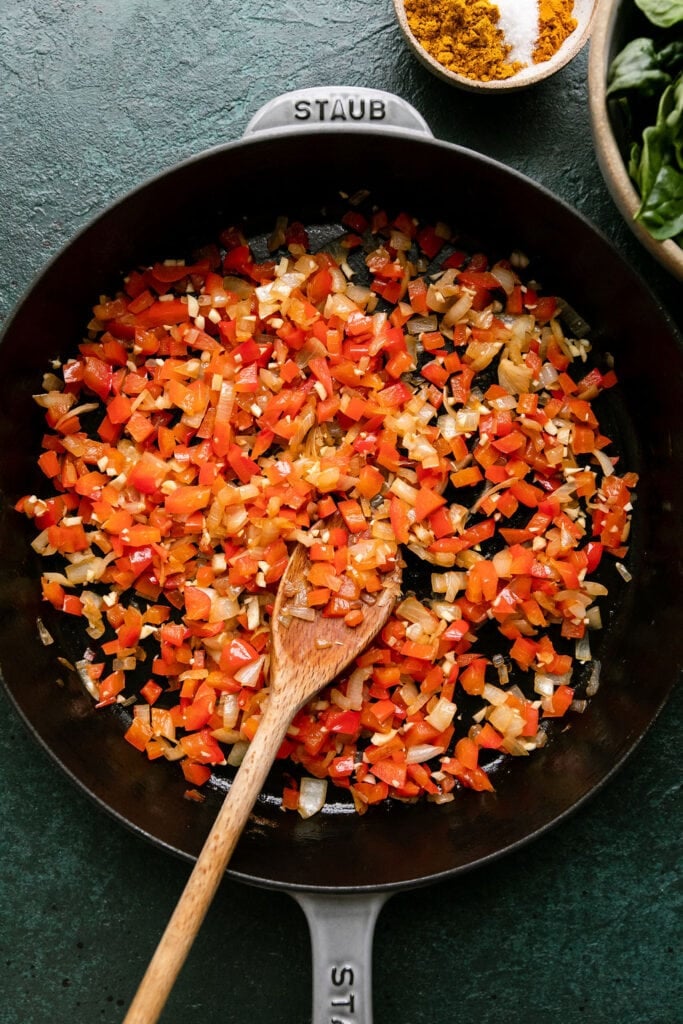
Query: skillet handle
{"x": 341, "y": 929}
{"x": 337, "y": 108}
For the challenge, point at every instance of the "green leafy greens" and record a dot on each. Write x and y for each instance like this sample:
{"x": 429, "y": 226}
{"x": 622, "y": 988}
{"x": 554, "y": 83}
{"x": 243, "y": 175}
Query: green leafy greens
{"x": 646, "y": 79}
{"x": 638, "y": 67}
{"x": 663, "y": 13}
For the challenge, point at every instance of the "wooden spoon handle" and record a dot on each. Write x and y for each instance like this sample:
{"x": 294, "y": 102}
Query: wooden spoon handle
{"x": 207, "y": 873}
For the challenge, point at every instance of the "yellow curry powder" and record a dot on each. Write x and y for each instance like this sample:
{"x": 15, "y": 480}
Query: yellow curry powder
{"x": 464, "y": 35}
{"x": 556, "y": 22}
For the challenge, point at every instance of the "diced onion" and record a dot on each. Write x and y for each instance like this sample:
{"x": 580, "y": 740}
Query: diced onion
{"x": 501, "y": 404}
{"x": 547, "y": 375}
{"x": 594, "y": 680}
{"x": 301, "y": 612}
{"x": 423, "y": 752}
{"x": 250, "y": 674}
{"x": 230, "y": 707}
{"x": 237, "y": 752}
{"x": 379, "y": 739}
{"x": 505, "y": 276}
{"x": 41, "y": 544}
{"x": 513, "y": 745}
{"x": 442, "y": 714}
{"x": 544, "y": 685}
{"x": 422, "y": 325}
{"x": 227, "y": 736}
{"x": 467, "y": 420}
{"x": 582, "y": 650}
{"x": 354, "y": 687}
{"x": 46, "y": 637}
{"x": 126, "y": 664}
{"x": 459, "y": 308}
{"x": 606, "y": 464}
{"x": 515, "y": 378}
{"x": 340, "y": 699}
{"x": 171, "y": 751}
{"x": 312, "y": 796}
{"x": 84, "y": 676}
{"x": 413, "y": 611}
{"x": 594, "y": 617}
{"x": 494, "y": 695}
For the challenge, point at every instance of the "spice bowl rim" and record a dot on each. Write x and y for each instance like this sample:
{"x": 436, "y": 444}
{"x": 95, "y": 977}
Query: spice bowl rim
{"x": 584, "y": 13}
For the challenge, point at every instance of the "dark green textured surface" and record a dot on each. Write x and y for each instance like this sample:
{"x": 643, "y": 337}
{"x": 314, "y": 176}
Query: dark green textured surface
{"x": 583, "y": 925}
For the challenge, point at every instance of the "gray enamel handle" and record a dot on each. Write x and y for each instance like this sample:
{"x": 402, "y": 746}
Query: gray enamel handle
{"x": 341, "y": 930}
{"x": 338, "y": 108}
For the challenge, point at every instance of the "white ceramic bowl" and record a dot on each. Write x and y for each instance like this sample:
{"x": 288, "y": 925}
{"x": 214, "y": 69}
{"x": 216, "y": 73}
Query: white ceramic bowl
{"x": 583, "y": 12}
{"x": 615, "y": 23}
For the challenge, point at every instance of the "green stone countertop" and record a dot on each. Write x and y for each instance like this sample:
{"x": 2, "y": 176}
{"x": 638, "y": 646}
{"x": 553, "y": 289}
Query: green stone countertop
{"x": 581, "y": 926}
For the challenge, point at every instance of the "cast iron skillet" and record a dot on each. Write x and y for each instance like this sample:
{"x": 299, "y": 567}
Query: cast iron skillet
{"x": 341, "y": 866}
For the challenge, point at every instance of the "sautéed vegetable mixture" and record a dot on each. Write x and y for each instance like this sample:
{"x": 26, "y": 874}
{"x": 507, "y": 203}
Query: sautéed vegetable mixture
{"x": 221, "y": 411}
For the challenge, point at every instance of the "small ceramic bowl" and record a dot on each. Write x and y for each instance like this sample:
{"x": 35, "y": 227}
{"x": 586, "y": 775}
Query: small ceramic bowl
{"x": 615, "y": 23}
{"x": 583, "y": 12}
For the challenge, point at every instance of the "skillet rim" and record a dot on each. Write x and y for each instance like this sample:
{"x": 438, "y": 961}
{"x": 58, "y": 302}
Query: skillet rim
{"x": 587, "y": 228}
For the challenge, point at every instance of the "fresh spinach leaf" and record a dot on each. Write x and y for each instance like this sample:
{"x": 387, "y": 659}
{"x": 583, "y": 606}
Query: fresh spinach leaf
{"x": 663, "y": 13}
{"x": 634, "y": 163}
{"x": 670, "y": 114}
{"x": 645, "y": 84}
{"x": 657, "y": 167}
{"x": 671, "y": 57}
{"x": 637, "y": 68}
{"x": 652, "y": 159}
{"x": 662, "y": 211}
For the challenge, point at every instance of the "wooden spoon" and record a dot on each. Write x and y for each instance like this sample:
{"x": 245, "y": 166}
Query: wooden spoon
{"x": 299, "y": 668}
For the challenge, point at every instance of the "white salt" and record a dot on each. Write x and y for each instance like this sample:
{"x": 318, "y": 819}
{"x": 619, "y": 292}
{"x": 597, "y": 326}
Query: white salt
{"x": 519, "y": 23}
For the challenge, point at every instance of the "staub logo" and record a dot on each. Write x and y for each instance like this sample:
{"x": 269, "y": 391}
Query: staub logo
{"x": 340, "y": 108}
{"x": 343, "y": 999}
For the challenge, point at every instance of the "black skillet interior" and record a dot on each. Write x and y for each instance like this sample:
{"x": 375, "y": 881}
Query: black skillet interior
{"x": 640, "y": 647}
